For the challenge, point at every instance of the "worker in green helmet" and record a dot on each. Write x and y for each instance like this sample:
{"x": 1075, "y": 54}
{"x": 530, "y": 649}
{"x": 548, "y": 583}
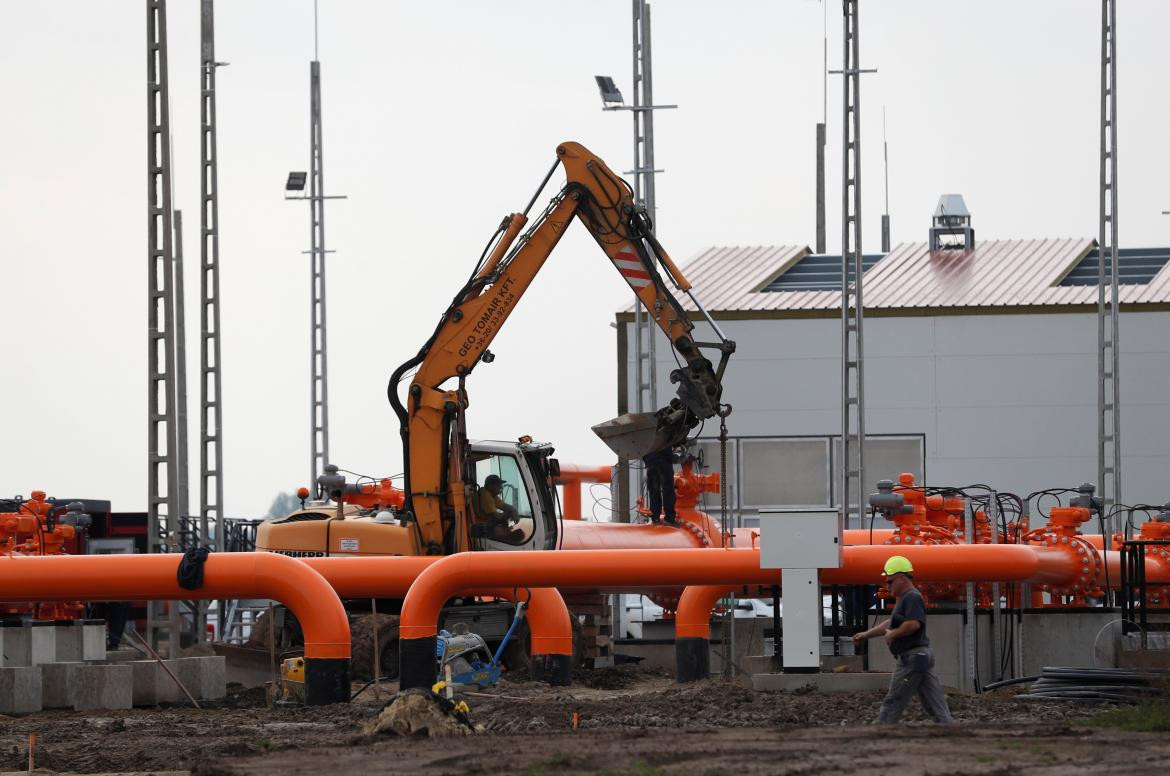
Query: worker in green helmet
{"x": 905, "y": 633}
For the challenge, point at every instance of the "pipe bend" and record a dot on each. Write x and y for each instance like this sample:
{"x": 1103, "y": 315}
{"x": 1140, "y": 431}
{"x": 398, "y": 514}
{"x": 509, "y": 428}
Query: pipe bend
{"x": 154, "y": 577}
{"x": 303, "y": 590}
{"x": 438, "y": 583}
{"x": 692, "y": 619}
{"x": 374, "y": 577}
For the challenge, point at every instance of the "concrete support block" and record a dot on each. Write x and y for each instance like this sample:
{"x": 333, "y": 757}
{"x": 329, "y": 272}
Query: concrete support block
{"x": 93, "y": 640}
{"x": 212, "y": 684}
{"x": 147, "y": 677}
{"x": 42, "y": 643}
{"x": 57, "y": 685}
{"x": 1081, "y": 638}
{"x": 204, "y": 677}
{"x": 102, "y": 687}
{"x": 187, "y": 673}
{"x": 15, "y": 644}
{"x": 67, "y": 640}
{"x": 20, "y": 689}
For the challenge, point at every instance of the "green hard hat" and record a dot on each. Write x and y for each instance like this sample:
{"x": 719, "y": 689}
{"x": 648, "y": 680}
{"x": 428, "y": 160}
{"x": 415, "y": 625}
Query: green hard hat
{"x": 897, "y": 565}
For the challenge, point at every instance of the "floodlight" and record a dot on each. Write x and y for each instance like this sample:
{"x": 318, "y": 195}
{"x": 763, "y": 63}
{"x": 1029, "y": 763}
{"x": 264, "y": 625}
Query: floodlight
{"x": 296, "y": 181}
{"x": 608, "y": 89}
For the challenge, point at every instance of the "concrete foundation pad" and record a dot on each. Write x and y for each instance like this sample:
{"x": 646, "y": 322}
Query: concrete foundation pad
{"x": 758, "y": 664}
{"x": 835, "y": 682}
{"x": 120, "y": 655}
{"x": 102, "y": 687}
{"x": 57, "y": 685}
{"x": 20, "y": 689}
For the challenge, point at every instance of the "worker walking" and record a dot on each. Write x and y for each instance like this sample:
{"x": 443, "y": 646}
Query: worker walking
{"x": 905, "y": 633}
{"x": 660, "y": 483}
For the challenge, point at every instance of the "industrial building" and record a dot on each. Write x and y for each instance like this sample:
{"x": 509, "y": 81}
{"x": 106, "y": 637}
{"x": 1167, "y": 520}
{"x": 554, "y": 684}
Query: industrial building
{"x": 981, "y": 366}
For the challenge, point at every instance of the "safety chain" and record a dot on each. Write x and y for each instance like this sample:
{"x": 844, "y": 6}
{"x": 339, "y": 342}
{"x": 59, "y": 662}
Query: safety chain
{"x": 724, "y": 411}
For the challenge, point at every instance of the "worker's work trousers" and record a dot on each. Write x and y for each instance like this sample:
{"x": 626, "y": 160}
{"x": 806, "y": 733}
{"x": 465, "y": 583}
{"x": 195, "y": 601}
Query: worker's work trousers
{"x": 914, "y": 672}
{"x": 660, "y": 483}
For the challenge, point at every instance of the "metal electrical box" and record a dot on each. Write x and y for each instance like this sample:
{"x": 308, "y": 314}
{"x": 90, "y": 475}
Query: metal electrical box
{"x": 800, "y": 540}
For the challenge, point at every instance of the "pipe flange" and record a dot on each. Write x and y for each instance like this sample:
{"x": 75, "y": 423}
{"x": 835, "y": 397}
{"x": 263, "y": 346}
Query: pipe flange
{"x": 698, "y": 533}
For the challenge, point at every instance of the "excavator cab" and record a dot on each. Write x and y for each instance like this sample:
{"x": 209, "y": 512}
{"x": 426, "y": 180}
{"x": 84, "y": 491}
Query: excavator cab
{"x": 521, "y": 514}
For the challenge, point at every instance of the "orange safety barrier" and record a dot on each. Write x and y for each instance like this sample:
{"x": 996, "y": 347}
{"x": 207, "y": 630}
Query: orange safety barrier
{"x": 225, "y": 575}
{"x": 549, "y": 626}
{"x": 618, "y": 570}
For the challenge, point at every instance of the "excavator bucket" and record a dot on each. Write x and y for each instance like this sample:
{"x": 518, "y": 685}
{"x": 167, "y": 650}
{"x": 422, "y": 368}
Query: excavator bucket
{"x": 637, "y": 434}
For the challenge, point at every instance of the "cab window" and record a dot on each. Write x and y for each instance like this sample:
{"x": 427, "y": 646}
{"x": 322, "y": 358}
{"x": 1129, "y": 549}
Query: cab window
{"x": 517, "y": 526}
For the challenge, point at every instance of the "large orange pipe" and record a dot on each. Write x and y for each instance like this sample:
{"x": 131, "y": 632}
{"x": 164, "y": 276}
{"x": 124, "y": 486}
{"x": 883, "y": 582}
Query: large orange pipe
{"x": 625, "y": 569}
{"x": 225, "y": 576}
{"x": 549, "y": 624}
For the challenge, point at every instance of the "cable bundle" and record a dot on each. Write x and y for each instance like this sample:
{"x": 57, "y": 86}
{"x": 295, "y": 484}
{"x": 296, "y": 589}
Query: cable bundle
{"x": 1101, "y": 685}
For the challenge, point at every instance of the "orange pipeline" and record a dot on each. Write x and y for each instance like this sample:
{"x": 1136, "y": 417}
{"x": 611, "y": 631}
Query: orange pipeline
{"x": 571, "y": 478}
{"x": 625, "y": 569}
{"x": 550, "y": 629}
{"x": 225, "y": 576}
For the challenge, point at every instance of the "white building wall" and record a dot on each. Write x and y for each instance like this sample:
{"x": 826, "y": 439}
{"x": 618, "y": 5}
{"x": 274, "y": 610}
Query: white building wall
{"x": 1007, "y": 400}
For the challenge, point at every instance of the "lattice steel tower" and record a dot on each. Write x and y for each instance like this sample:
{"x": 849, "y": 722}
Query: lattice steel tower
{"x": 852, "y": 464}
{"x": 210, "y": 399}
{"x": 162, "y": 476}
{"x": 645, "y": 364}
{"x": 319, "y": 353}
{"x": 1108, "y": 349}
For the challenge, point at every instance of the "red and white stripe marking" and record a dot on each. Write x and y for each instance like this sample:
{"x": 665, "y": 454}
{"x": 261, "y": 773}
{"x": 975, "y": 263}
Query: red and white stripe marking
{"x": 628, "y": 264}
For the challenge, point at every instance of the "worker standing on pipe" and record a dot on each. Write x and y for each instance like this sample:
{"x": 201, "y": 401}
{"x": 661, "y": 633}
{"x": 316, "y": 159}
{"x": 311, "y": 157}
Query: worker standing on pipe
{"x": 660, "y": 484}
{"x": 905, "y": 633}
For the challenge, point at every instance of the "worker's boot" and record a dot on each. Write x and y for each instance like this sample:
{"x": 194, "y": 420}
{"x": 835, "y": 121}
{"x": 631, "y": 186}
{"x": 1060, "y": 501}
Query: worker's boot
{"x": 671, "y": 520}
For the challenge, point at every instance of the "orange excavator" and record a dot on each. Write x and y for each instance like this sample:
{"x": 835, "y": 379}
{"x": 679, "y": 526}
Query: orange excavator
{"x": 460, "y": 495}
{"x": 443, "y": 506}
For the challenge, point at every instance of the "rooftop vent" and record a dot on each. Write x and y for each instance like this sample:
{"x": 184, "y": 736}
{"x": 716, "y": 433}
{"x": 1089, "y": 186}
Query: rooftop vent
{"x": 951, "y": 220}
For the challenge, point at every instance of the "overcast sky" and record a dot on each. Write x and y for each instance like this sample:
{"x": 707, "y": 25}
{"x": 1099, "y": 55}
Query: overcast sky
{"x": 439, "y": 119}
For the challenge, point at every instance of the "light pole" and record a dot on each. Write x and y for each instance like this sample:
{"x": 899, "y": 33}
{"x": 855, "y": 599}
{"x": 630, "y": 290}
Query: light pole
{"x": 645, "y": 372}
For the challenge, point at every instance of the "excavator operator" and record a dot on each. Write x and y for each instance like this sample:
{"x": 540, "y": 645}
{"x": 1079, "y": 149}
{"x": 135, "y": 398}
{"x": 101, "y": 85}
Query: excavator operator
{"x": 498, "y": 513}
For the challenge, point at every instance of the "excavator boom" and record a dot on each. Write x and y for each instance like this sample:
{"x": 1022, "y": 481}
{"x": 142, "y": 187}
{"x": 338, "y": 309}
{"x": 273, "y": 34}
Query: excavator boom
{"x": 432, "y": 420}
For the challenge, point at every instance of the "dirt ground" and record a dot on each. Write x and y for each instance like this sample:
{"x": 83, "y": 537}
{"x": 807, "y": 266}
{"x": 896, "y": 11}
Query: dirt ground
{"x": 630, "y": 721}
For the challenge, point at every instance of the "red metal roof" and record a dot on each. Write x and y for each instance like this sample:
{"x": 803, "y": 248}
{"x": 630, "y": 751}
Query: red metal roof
{"x": 996, "y": 273}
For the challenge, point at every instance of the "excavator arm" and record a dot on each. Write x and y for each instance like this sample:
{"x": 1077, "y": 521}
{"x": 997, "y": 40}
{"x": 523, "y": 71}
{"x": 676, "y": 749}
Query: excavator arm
{"x": 432, "y": 420}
